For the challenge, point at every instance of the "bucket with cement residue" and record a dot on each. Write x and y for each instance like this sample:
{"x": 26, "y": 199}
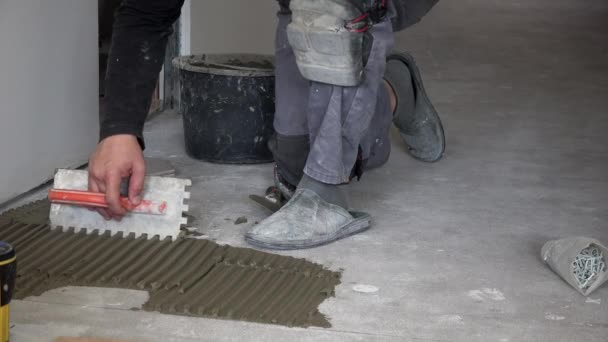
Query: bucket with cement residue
{"x": 227, "y": 104}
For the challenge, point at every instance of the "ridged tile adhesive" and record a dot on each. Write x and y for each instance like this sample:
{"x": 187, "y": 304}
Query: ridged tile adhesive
{"x": 188, "y": 277}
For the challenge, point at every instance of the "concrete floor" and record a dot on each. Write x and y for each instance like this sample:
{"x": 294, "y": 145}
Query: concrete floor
{"x": 454, "y": 251}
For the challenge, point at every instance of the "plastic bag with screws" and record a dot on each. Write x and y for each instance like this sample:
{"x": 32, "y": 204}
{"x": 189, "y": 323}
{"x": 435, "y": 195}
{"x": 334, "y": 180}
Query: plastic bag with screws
{"x": 580, "y": 261}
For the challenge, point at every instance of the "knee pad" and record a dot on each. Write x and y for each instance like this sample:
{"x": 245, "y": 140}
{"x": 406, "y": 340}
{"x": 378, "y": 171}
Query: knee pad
{"x": 327, "y": 49}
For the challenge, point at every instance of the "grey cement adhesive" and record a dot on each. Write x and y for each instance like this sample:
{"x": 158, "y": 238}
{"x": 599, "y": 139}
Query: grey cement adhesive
{"x": 186, "y": 277}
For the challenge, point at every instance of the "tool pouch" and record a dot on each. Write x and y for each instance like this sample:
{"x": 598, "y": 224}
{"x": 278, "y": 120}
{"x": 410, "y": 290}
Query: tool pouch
{"x": 580, "y": 261}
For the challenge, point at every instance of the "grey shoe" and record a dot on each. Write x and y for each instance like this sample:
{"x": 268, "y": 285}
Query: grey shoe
{"x": 418, "y": 122}
{"x": 306, "y": 221}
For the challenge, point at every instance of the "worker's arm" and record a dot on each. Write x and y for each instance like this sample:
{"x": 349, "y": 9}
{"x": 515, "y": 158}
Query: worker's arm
{"x": 139, "y": 39}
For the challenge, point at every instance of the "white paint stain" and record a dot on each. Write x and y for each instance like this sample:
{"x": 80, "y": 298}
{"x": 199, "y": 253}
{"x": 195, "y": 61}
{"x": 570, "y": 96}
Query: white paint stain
{"x": 360, "y": 237}
{"x": 252, "y": 109}
{"x": 363, "y": 288}
{"x": 593, "y": 301}
{"x": 450, "y": 319}
{"x": 553, "y": 317}
{"x": 582, "y": 324}
{"x": 486, "y": 294}
{"x": 200, "y": 237}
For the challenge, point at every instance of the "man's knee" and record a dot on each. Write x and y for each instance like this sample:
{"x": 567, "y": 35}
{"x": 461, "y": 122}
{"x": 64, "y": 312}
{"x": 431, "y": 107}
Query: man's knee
{"x": 409, "y": 12}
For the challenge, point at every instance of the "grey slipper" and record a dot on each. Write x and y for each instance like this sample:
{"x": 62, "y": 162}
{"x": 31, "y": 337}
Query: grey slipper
{"x": 421, "y": 127}
{"x": 306, "y": 221}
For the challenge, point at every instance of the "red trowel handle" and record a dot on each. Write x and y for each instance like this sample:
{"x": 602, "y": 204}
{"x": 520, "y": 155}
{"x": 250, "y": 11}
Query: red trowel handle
{"x": 98, "y": 200}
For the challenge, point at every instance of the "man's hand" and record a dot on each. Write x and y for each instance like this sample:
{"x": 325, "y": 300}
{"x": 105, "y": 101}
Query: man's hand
{"x": 117, "y": 157}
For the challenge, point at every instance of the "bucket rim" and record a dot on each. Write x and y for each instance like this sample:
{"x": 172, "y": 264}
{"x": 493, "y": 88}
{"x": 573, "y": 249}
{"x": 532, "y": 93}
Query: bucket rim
{"x": 214, "y": 65}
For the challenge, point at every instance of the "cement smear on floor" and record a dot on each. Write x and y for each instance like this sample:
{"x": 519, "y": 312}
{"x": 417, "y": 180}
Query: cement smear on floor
{"x": 185, "y": 277}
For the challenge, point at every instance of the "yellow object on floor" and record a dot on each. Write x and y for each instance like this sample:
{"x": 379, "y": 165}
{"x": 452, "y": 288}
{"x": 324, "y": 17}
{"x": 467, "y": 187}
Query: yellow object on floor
{"x": 8, "y": 268}
{"x": 84, "y": 339}
{"x": 4, "y": 321}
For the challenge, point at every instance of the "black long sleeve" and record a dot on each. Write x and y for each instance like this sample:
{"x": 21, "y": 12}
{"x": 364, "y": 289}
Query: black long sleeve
{"x": 139, "y": 39}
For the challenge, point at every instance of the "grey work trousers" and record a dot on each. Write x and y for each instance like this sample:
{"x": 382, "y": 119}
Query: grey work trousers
{"x": 322, "y": 130}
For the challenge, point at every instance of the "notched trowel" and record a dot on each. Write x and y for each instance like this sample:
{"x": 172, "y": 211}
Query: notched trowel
{"x": 161, "y": 211}
{"x": 273, "y": 199}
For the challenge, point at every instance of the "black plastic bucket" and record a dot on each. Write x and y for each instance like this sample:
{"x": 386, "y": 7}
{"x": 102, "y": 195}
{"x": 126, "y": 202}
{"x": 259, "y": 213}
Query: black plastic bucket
{"x": 227, "y": 105}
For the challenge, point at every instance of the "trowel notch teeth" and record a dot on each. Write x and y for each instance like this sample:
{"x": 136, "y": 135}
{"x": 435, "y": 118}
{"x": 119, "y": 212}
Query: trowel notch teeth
{"x": 187, "y": 182}
{"x": 184, "y": 221}
{"x": 171, "y": 237}
{"x": 186, "y": 195}
{"x": 185, "y": 208}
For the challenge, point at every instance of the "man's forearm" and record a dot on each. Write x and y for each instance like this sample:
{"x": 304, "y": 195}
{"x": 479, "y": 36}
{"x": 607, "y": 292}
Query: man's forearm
{"x": 139, "y": 39}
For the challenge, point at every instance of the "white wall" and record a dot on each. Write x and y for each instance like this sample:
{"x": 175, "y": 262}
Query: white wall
{"x": 245, "y": 26}
{"x": 48, "y": 89}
